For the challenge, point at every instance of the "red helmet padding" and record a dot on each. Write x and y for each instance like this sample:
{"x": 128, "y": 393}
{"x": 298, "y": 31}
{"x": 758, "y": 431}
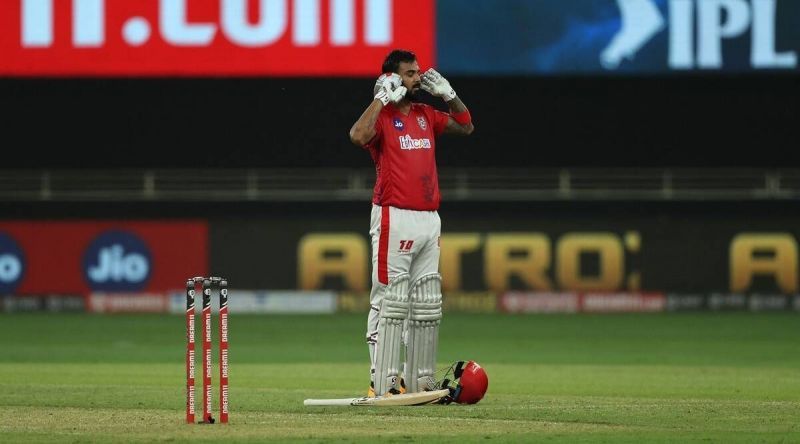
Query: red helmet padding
{"x": 473, "y": 384}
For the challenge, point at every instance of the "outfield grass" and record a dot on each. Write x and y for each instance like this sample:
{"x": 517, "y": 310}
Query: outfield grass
{"x": 731, "y": 377}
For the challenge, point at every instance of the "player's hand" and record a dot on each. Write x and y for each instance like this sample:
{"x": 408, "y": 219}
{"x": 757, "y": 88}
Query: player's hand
{"x": 434, "y": 83}
{"x": 390, "y": 88}
{"x": 393, "y": 78}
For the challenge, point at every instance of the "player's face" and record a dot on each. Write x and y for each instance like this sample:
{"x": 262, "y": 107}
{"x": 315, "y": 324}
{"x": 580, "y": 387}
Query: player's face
{"x": 410, "y": 74}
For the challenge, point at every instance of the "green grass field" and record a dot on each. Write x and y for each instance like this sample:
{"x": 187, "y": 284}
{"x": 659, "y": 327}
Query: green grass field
{"x": 731, "y": 377}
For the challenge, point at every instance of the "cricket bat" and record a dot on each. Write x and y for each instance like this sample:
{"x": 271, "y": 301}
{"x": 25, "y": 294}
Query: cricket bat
{"x": 418, "y": 398}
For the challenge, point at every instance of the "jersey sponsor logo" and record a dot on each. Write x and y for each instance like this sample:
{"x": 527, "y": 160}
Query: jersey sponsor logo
{"x": 117, "y": 261}
{"x": 422, "y": 123}
{"x": 12, "y": 264}
{"x": 407, "y": 143}
{"x": 398, "y": 124}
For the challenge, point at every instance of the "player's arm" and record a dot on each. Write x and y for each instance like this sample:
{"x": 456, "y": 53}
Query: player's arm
{"x": 364, "y": 129}
{"x": 460, "y": 121}
{"x": 388, "y": 88}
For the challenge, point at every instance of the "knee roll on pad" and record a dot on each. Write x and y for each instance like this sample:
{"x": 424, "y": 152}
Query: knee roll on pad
{"x": 423, "y": 332}
{"x": 393, "y": 314}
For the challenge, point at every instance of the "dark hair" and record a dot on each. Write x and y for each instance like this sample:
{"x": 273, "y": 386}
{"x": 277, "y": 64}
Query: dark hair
{"x": 392, "y": 61}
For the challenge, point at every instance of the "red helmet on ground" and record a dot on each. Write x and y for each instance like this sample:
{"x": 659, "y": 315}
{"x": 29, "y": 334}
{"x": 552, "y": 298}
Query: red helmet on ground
{"x": 472, "y": 382}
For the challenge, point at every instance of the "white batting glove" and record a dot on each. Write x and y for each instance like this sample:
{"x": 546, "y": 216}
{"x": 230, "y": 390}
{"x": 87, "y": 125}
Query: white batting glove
{"x": 434, "y": 83}
{"x": 389, "y": 88}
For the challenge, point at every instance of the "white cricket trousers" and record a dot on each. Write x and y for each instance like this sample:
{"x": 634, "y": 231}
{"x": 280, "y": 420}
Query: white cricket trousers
{"x": 403, "y": 241}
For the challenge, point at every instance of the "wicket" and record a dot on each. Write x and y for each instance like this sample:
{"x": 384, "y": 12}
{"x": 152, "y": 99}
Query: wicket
{"x": 222, "y": 285}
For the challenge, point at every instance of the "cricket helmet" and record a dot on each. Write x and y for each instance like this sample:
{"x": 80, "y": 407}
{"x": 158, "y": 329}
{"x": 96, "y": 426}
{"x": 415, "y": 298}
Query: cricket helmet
{"x": 472, "y": 382}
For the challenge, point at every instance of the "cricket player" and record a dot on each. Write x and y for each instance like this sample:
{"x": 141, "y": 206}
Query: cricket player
{"x": 405, "y": 228}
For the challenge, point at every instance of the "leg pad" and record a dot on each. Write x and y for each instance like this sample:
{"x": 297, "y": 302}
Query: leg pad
{"x": 393, "y": 314}
{"x": 423, "y": 332}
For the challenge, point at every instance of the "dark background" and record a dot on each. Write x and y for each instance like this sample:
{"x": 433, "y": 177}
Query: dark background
{"x": 708, "y": 121}
{"x": 676, "y": 121}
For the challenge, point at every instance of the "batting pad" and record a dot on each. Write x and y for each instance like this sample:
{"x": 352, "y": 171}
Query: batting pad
{"x": 423, "y": 332}
{"x": 393, "y": 313}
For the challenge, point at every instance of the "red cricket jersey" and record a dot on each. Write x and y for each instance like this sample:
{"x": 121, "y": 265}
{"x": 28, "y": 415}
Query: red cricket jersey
{"x": 404, "y": 151}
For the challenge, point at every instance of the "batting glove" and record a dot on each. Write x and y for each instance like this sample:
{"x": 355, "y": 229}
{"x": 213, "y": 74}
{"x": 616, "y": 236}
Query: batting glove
{"x": 389, "y": 88}
{"x": 434, "y": 83}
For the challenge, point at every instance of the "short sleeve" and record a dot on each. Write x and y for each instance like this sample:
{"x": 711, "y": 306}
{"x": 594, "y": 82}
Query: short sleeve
{"x": 375, "y": 141}
{"x": 440, "y": 121}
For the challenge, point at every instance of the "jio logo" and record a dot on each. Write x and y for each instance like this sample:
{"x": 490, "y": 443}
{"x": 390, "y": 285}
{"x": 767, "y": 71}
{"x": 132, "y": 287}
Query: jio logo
{"x": 117, "y": 261}
{"x": 12, "y": 264}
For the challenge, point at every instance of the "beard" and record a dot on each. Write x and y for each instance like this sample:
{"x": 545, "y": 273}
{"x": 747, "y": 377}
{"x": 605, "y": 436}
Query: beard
{"x": 413, "y": 93}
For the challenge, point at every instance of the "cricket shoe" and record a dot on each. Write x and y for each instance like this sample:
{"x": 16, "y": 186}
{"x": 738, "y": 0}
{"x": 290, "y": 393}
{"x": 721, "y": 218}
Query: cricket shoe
{"x": 371, "y": 391}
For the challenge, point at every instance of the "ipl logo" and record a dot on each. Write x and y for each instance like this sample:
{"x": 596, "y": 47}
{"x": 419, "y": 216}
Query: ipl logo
{"x": 697, "y": 31}
{"x": 641, "y": 21}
